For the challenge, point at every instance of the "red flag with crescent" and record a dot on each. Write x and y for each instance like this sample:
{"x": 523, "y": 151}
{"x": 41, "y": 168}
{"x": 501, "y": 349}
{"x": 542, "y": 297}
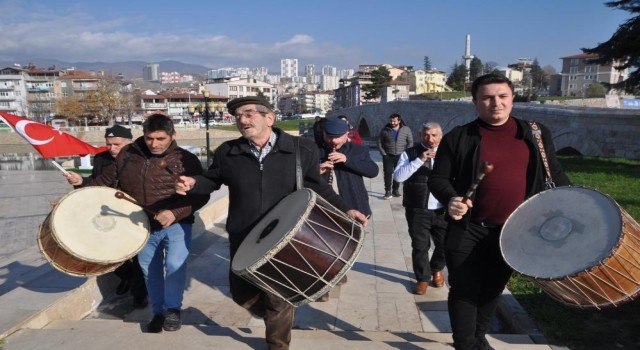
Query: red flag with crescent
{"x": 48, "y": 141}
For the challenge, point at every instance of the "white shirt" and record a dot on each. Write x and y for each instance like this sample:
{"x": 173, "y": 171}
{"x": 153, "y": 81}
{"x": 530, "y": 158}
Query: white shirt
{"x": 405, "y": 168}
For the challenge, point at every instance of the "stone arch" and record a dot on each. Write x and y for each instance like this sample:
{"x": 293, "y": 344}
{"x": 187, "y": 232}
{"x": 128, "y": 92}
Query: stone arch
{"x": 582, "y": 144}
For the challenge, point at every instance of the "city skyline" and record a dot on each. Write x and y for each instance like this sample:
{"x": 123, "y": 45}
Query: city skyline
{"x": 340, "y": 34}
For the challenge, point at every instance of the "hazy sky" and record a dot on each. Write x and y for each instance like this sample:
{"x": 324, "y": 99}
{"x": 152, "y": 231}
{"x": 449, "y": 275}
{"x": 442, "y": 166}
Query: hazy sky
{"x": 345, "y": 33}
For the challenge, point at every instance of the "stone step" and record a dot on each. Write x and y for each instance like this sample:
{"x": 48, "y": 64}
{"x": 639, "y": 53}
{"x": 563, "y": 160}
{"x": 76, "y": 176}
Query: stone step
{"x": 101, "y": 334}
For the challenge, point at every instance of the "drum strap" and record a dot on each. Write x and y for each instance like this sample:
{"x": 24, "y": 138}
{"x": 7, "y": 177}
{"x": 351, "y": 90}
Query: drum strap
{"x": 537, "y": 135}
{"x": 298, "y": 165}
{"x": 116, "y": 183}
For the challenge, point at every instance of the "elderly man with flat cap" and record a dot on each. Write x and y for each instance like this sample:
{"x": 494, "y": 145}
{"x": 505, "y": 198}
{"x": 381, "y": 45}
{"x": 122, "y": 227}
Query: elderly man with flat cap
{"x": 259, "y": 170}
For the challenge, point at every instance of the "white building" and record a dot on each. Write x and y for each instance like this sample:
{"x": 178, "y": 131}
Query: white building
{"x": 289, "y": 67}
{"x": 241, "y": 87}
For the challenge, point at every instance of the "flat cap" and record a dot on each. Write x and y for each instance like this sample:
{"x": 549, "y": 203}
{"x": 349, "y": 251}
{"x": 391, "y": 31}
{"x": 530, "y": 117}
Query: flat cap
{"x": 335, "y": 127}
{"x": 118, "y": 131}
{"x": 249, "y": 100}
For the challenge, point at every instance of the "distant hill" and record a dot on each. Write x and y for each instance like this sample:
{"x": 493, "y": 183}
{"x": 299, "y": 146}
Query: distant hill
{"x": 130, "y": 69}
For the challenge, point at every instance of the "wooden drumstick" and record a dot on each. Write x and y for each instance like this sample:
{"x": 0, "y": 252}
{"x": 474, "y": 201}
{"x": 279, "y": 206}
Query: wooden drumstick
{"x": 485, "y": 168}
{"x": 121, "y": 195}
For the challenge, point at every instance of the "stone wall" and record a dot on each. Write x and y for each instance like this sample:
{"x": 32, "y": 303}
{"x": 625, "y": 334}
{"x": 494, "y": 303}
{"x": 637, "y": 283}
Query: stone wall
{"x": 590, "y": 131}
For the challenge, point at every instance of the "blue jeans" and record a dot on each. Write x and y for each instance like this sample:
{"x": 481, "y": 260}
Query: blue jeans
{"x": 164, "y": 264}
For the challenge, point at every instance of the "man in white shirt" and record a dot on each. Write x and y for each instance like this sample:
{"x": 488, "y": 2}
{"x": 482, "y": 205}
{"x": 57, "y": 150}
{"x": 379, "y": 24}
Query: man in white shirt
{"x": 425, "y": 215}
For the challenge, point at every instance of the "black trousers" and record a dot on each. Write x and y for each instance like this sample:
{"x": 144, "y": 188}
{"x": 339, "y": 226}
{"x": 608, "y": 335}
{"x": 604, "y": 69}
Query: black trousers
{"x": 425, "y": 225}
{"x": 130, "y": 270}
{"x": 389, "y": 163}
{"x": 477, "y": 277}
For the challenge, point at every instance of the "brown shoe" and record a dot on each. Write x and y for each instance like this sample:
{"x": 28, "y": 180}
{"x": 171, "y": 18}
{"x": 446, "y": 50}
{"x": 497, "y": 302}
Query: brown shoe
{"x": 342, "y": 281}
{"x": 438, "y": 279}
{"x": 323, "y": 298}
{"x": 421, "y": 288}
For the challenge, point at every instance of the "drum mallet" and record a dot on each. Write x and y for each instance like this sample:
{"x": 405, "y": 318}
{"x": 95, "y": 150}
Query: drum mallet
{"x": 121, "y": 195}
{"x": 485, "y": 168}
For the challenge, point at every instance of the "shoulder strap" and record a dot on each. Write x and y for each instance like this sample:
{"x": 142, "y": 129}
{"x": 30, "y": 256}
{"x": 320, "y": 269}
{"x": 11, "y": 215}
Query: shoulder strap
{"x": 537, "y": 135}
{"x": 298, "y": 165}
{"x": 116, "y": 183}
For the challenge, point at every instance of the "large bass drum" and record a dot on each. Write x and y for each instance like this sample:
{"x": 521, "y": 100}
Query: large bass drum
{"x": 577, "y": 244}
{"x": 300, "y": 249}
{"x": 91, "y": 232}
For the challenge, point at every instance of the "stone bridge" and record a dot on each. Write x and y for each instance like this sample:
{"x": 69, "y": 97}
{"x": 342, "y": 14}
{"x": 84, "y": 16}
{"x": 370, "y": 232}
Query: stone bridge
{"x": 600, "y": 132}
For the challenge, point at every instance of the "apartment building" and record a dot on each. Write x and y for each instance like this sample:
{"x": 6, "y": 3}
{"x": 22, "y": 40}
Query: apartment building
{"x": 241, "y": 87}
{"x": 13, "y": 91}
{"x": 578, "y": 73}
{"x": 425, "y": 81}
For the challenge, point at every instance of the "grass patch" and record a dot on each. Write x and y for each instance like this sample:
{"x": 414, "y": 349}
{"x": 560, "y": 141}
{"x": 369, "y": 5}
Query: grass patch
{"x": 589, "y": 329}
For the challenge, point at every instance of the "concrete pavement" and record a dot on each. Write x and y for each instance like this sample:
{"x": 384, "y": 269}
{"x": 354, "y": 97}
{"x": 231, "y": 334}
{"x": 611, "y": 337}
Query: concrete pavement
{"x": 374, "y": 310}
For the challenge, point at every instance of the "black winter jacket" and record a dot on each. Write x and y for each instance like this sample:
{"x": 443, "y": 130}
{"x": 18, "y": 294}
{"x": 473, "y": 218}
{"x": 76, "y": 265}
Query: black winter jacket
{"x": 349, "y": 175}
{"x": 255, "y": 188}
{"x": 457, "y": 164}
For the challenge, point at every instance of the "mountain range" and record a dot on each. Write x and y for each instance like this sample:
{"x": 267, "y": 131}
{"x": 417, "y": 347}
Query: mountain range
{"x": 129, "y": 69}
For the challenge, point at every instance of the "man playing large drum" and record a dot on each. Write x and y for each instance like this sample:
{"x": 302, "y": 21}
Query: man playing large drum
{"x": 131, "y": 276}
{"x": 140, "y": 170}
{"x": 477, "y": 271}
{"x": 259, "y": 169}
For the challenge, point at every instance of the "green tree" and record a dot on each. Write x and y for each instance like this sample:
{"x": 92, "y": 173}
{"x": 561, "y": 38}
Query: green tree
{"x": 380, "y": 79}
{"x": 475, "y": 68}
{"x": 427, "y": 63}
{"x": 623, "y": 48}
{"x": 490, "y": 67}
{"x": 596, "y": 90}
{"x": 539, "y": 79}
{"x": 458, "y": 77}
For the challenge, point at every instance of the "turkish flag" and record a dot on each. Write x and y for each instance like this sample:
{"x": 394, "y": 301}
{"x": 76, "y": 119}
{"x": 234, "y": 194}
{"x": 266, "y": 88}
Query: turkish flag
{"x": 49, "y": 142}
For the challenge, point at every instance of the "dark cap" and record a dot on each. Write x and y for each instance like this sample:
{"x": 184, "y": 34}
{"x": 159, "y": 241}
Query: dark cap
{"x": 335, "y": 127}
{"x": 118, "y": 131}
{"x": 249, "y": 100}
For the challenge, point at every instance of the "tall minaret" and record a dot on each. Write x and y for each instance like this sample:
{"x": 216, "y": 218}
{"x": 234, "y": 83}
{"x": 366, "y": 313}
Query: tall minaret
{"x": 467, "y": 55}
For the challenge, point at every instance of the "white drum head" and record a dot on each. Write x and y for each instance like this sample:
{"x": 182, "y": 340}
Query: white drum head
{"x": 93, "y": 225}
{"x": 280, "y": 223}
{"x": 561, "y": 232}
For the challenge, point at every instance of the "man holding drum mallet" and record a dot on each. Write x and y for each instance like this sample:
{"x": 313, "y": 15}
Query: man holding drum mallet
{"x": 516, "y": 166}
{"x": 259, "y": 170}
{"x": 131, "y": 277}
{"x": 146, "y": 170}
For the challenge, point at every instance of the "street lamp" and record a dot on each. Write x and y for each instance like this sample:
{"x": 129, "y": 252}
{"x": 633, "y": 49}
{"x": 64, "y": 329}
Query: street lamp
{"x": 205, "y": 93}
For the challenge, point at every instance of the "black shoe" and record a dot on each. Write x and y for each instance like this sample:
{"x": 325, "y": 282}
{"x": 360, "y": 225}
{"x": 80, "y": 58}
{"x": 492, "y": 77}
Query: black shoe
{"x": 140, "y": 303}
{"x": 387, "y": 195}
{"x": 123, "y": 287}
{"x": 482, "y": 344}
{"x": 172, "y": 320}
{"x": 155, "y": 326}
{"x": 396, "y": 193}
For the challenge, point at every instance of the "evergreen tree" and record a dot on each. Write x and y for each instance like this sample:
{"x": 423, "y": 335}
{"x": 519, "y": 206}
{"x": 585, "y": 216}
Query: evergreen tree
{"x": 458, "y": 77}
{"x": 427, "y": 63}
{"x": 380, "y": 79}
{"x": 623, "y": 48}
{"x": 475, "y": 69}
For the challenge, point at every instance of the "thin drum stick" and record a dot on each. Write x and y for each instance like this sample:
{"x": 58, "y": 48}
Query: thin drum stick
{"x": 485, "y": 168}
{"x": 66, "y": 173}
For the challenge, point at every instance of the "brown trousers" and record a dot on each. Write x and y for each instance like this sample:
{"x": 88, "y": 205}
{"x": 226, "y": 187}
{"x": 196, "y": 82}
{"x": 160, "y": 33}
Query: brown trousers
{"x": 277, "y": 314}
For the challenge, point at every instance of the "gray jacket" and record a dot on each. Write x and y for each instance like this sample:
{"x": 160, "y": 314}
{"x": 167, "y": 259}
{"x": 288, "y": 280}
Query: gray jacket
{"x": 390, "y": 146}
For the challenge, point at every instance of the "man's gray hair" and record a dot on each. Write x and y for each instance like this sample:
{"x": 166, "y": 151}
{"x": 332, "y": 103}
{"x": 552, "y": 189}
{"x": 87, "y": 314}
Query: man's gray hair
{"x": 431, "y": 125}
